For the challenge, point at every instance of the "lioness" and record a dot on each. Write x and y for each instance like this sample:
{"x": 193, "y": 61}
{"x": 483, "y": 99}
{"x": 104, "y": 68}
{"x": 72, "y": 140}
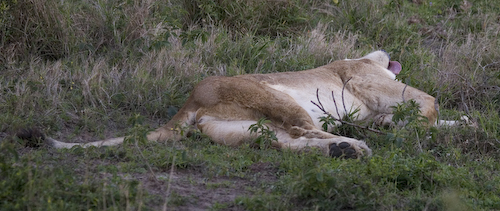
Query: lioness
{"x": 225, "y": 107}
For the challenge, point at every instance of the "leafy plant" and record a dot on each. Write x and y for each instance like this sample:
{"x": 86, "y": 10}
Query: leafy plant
{"x": 342, "y": 128}
{"x": 138, "y": 131}
{"x": 265, "y": 137}
{"x": 409, "y": 122}
{"x": 408, "y": 114}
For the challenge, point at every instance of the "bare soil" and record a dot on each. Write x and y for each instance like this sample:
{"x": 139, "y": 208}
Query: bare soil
{"x": 191, "y": 189}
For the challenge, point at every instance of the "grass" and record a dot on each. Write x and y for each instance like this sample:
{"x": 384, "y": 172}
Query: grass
{"x": 86, "y": 70}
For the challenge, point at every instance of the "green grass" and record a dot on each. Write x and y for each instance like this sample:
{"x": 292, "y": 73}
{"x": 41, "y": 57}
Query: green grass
{"x": 83, "y": 71}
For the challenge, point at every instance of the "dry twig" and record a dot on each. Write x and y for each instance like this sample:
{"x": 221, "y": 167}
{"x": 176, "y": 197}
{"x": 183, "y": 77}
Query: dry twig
{"x": 322, "y": 108}
{"x": 403, "y": 94}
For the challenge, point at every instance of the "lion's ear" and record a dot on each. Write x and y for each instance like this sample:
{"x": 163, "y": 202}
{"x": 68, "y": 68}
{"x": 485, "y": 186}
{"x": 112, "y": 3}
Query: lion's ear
{"x": 394, "y": 67}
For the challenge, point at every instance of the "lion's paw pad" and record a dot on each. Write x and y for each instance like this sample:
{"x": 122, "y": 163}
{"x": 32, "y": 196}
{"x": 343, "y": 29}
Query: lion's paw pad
{"x": 343, "y": 150}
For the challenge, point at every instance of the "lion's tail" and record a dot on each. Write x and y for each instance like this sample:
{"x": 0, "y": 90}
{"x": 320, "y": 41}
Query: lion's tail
{"x": 35, "y": 138}
{"x": 179, "y": 126}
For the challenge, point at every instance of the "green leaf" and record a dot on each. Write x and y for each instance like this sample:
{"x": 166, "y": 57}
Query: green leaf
{"x": 319, "y": 177}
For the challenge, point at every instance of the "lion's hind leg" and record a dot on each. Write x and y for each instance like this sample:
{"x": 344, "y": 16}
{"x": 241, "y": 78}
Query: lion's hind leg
{"x": 230, "y": 133}
{"x": 235, "y": 133}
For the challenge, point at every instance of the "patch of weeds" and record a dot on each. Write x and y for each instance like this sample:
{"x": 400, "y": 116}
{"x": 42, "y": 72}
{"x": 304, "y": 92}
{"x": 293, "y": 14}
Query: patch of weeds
{"x": 266, "y": 137}
{"x": 489, "y": 121}
{"x": 410, "y": 123}
{"x": 177, "y": 200}
{"x": 475, "y": 142}
{"x": 262, "y": 202}
{"x": 220, "y": 206}
{"x": 137, "y": 133}
{"x": 378, "y": 183}
{"x": 344, "y": 128}
{"x": 24, "y": 178}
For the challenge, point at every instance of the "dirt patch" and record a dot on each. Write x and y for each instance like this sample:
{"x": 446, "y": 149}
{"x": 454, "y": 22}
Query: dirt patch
{"x": 191, "y": 189}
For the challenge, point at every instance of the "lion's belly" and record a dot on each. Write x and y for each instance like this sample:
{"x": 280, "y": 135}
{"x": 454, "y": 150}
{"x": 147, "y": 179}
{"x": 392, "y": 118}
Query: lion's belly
{"x": 305, "y": 97}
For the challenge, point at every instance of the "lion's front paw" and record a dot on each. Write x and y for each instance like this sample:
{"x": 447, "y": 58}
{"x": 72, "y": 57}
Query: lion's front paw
{"x": 349, "y": 149}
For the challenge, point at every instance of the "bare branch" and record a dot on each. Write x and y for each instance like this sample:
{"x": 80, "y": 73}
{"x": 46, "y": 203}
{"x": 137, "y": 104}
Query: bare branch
{"x": 320, "y": 106}
{"x": 336, "y": 107}
{"x": 343, "y": 88}
{"x": 317, "y": 97}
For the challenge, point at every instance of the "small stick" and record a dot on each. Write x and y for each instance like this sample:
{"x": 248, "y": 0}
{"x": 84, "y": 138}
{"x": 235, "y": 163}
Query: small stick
{"x": 403, "y": 94}
{"x": 343, "y": 88}
{"x": 336, "y": 107}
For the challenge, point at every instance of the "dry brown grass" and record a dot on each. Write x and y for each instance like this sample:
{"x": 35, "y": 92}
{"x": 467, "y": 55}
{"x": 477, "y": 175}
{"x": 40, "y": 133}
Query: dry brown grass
{"x": 467, "y": 70}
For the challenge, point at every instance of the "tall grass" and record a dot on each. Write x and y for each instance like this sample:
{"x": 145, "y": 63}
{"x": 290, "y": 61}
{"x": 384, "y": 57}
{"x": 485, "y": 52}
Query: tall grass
{"x": 85, "y": 70}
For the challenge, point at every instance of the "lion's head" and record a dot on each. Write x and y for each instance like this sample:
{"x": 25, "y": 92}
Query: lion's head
{"x": 383, "y": 59}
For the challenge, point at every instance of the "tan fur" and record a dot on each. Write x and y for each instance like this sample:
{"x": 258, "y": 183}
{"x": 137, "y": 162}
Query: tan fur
{"x": 225, "y": 107}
